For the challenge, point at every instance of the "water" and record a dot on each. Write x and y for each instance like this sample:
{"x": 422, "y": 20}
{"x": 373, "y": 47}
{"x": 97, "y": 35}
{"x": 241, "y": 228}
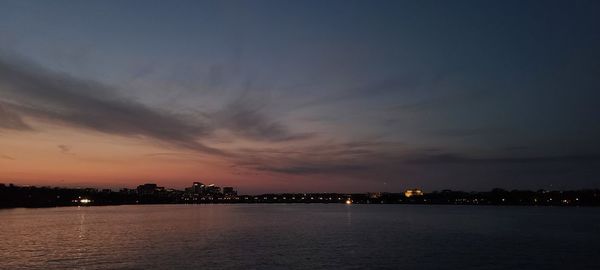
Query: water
{"x": 314, "y": 236}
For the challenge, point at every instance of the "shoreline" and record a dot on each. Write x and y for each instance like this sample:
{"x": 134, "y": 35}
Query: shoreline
{"x": 303, "y": 203}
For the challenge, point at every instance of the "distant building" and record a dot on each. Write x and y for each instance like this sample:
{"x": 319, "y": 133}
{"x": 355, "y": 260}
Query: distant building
{"x": 90, "y": 190}
{"x": 212, "y": 190}
{"x": 127, "y": 191}
{"x": 374, "y": 195}
{"x": 413, "y": 192}
{"x": 229, "y": 191}
{"x": 147, "y": 189}
{"x": 198, "y": 188}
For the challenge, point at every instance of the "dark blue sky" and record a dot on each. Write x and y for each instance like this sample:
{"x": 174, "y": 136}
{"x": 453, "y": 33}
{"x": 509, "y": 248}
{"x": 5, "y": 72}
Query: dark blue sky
{"x": 344, "y": 95}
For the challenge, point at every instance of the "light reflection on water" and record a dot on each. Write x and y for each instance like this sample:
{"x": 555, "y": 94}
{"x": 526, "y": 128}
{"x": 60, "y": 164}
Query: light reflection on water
{"x": 300, "y": 237}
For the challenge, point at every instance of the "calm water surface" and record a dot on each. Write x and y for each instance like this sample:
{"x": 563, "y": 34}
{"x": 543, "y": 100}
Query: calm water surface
{"x": 300, "y": 236}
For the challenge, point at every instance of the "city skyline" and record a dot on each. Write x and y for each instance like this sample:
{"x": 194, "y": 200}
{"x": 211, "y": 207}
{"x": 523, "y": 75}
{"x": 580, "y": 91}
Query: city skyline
{"x": 13, "y": 196}
{"x": 278, "y": 96}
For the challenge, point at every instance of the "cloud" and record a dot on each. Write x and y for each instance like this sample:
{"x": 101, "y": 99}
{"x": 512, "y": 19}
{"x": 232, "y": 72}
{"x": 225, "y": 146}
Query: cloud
{"x": 330, "y": 158}
{"x": 467, "y": 132}
{"x": 11, "y": 120}
{"x": 314, "y": 169}
{"x": 65, "y": 149}
{"x": 28, "y": 90}
{"x": 7, "y": 157}
{"x": 246, "y": 119}
{"x": 449, "y": 158}
{"x": 379, "y": 159}
{"x": 32, "y": 91}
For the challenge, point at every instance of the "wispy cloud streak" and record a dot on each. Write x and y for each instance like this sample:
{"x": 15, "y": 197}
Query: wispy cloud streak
{"x": 29, "y": 90}
{"x": 35, "y": 92}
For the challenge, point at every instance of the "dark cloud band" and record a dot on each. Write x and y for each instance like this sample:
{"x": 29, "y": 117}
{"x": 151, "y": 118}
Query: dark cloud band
{"x": 29, "y": 90}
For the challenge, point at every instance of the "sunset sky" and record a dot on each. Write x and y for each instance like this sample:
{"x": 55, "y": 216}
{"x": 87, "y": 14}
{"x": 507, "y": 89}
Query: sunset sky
{"x": 275, "y": 96}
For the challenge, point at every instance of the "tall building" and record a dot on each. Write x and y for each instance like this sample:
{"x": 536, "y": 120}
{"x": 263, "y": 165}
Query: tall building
{"x": 198, "y": 188}
{"x": 147, "y": 189}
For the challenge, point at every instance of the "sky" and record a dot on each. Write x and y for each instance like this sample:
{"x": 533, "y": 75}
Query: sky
{"x": 305, "y": 96}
